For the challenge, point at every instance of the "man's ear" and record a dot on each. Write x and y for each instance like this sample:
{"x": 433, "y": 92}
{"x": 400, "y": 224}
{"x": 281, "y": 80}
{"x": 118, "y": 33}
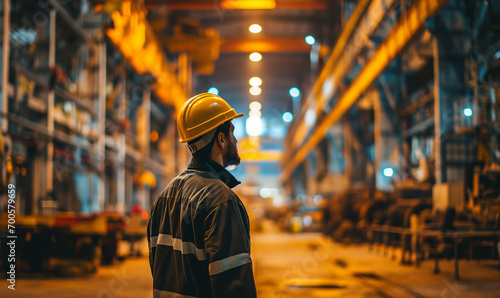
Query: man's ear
{"x": 220, "y": 140}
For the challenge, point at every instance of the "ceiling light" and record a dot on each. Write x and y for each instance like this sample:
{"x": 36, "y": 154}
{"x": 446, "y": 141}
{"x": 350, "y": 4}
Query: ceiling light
{"x": 265, "y": 192}
{"x": 255, "y": 81}
{"x": 255, "y": 106}
{"x": 255, "y": 57}
{"x": 388, "y": 172}
{"x": 468, "y": 112}
{"x": 255, "y": 113}
{"x": 287, "y": 117}
{"x": 67, "y": 107}
{"x": 254, "y": 126}
{"x": 294, "y": 92}
{"x": 255, "y": 28}
{"x": 255, "y": 90}
{"x": 213, "y": 90}
{"x": 310, "y": 40}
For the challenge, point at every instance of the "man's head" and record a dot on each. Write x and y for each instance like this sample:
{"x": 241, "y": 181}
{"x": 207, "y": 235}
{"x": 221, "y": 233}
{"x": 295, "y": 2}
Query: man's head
{"x": 204, "y": 121}
{"x": 222, "y": 147}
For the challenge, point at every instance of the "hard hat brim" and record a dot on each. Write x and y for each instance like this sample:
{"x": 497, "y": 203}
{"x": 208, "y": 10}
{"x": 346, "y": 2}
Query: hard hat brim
{"x": 206, "y": 131}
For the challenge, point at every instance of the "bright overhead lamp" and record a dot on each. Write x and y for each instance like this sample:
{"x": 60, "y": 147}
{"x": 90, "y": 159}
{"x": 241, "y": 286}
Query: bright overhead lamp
{"x": 388, "y": 172}
{"x": 294, "y": 92}
{"x": 265, "y": 192}
{"x": 255, "y": 106}
{"x": 468, "y": 112}
{"x": 255, "y": 81}
{"x": 213, "y": 90}
{"x": 255, "y": 57}
{"x": 254, "y": 126}
{"x": 255, "y": 90}
{"x": 310, "y": 40}
{"x": 287, "y": 117}
{"x": 255, "y": 113}
{"x": 255, "y": 28}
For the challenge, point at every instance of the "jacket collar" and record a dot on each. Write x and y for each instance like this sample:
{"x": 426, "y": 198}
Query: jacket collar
{"x": 214, "y": 168}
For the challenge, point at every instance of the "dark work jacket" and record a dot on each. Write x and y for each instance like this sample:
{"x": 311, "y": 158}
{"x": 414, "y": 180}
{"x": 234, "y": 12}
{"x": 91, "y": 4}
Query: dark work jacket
{"x": 199, "y": 236}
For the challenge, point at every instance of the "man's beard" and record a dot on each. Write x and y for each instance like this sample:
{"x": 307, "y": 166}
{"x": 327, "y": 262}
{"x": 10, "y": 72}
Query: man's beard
{"x": 232, "y": 157}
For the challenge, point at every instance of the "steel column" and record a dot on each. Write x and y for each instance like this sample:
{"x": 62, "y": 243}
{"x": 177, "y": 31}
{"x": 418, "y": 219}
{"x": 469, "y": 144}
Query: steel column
{"x": 121, "y": 154}
{"x": 143, "y": 135}
{"x": 101, "y": 122}
{"x": 449, "y": 82}
{"x": 50, "y": 103}
{"x": 388, "y": 152}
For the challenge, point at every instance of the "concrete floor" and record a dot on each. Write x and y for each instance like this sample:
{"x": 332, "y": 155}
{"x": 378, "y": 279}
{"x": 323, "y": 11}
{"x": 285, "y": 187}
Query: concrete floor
{"x": 291, "y": 265}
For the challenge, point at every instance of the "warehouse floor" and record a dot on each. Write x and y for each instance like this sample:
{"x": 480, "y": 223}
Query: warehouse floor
{"x": 292, "y": 265}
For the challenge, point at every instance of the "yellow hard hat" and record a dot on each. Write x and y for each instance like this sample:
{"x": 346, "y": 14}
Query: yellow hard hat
{"x": 201, "y": 114}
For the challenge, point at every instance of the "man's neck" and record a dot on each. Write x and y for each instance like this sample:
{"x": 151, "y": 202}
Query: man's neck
{"x": 217, "y": 158}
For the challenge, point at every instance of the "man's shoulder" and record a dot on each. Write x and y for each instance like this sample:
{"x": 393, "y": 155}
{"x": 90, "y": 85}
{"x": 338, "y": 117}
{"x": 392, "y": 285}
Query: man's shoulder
{"x": 199, "y": 184}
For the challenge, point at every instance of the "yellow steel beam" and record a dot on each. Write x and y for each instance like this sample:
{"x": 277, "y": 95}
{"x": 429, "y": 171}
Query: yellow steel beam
{"x": 316, "y": 93}
{"x": 237, "y": 4}
{"x": 261, "y": 156}
{"x": 401, "y": 34}
{"x": 265, "y": 45}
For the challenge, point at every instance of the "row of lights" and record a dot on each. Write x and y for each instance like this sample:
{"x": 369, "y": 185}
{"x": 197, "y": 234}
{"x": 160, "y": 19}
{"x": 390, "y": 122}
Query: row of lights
{"x": 254, "y": 123}
{"x": 256, "y": 82}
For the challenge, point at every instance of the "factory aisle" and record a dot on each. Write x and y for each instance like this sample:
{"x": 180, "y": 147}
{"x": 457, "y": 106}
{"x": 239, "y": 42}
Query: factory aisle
{"x": 291, "y": 265}
{"x": 310, "y": 265}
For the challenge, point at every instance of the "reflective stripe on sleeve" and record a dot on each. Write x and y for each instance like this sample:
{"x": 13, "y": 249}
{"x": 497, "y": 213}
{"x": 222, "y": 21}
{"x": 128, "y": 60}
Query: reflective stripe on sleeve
{"x": 229, "y": 263}
{"x": 177, "y": 244}
{"x": 152, "y": 242}
{"x": 167, "y": 294}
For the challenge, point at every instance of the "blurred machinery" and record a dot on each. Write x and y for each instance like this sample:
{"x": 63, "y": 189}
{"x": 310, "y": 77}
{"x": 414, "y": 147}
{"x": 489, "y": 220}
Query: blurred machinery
{"x": 89, "y": 99}
{"x": 400, "y": 132}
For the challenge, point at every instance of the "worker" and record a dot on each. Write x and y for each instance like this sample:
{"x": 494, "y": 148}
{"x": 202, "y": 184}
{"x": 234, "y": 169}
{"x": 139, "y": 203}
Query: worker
{"x": 198, "y": 233}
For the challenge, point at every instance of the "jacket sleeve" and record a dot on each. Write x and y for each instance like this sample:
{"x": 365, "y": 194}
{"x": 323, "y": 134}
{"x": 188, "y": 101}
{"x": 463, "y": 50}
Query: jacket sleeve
{"x": 227, "y": 244}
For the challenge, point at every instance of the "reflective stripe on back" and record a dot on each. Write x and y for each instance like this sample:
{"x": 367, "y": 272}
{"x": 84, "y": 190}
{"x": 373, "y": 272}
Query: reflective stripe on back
{"x": 167, "y": 294}
{"x": 177, "y": 244}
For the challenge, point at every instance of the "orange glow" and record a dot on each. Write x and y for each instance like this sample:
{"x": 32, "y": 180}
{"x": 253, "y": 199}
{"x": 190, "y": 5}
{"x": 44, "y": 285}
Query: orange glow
{"x": 248, "y": 4}
{"x": 265, "y": 45}
{"x": 9, "y": 165}
{"x": 136, "y": 40}
{"x": 98, "y": 8}
{"x": 261, "y": 155}
{"x": 153, "y": 136}
{"x": 148, "y": 178}
{"x": 145, "y": 215}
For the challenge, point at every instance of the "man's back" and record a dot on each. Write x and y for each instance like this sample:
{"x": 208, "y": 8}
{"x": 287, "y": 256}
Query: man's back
{"x": 199, "y": 237}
